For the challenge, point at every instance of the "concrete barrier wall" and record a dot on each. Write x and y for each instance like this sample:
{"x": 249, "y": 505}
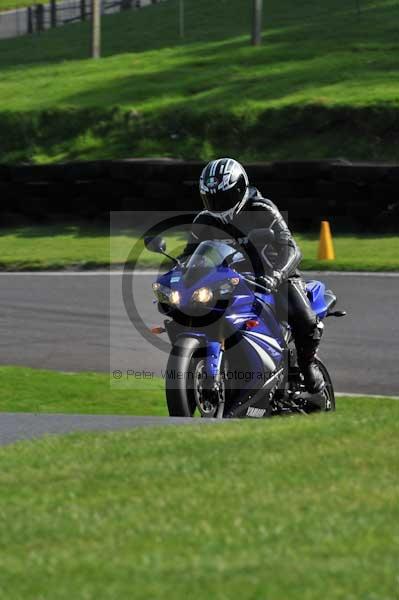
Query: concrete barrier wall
{"x": 354, "y": 195}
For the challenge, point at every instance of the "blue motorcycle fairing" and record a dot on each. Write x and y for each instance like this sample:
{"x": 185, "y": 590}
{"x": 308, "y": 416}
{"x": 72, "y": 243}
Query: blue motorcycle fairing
{"x": 174, "y": 281}
{"x": 263, "y": 361}
{"x": 267, "y": 354}
{"x": 212, "y": 354}
{"x": 316, "y": 294}
{"x": 267, "y": 335}
{"x": 261, "y": 348}
{"x": 170, "y": 278}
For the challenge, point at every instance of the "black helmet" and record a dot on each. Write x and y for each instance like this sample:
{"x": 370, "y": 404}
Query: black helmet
{"x": 224, "y": 185}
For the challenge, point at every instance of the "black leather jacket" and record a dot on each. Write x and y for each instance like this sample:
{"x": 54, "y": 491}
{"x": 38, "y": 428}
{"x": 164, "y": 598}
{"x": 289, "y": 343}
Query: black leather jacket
{"x": 282, "y": 255}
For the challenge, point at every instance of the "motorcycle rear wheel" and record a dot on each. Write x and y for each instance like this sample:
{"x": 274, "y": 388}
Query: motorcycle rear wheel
{"x": 325, "y": 400}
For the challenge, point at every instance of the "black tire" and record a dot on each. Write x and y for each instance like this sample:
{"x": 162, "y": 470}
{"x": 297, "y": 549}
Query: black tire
{"x": 179, "y": 390}
{"x": 325, "y": 401}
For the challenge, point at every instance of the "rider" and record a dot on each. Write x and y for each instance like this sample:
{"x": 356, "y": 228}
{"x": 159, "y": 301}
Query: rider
{"x": 232, "y": 206}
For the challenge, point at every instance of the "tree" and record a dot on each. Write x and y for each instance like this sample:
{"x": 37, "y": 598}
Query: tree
{"x": 257, "y": 22}
{"x": 96, "y": 29}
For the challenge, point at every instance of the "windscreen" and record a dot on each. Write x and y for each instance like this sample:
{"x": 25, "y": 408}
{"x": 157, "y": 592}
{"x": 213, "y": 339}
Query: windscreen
{"x": 208, "y": 256}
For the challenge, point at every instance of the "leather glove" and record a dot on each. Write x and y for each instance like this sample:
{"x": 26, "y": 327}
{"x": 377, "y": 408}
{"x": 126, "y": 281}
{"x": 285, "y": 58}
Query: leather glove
{"x": 271, "y": 283}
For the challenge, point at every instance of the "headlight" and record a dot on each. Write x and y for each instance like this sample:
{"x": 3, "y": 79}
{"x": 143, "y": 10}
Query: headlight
{"x": 164, "y": 295}
{"x": 174, "y": 297}
{"x": 203, "y": 295}
{"x": 161, "y": 292}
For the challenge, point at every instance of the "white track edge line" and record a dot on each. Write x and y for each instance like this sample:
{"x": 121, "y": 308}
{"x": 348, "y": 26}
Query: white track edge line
{"x": 357, "y": 395}
{"x": 352, "y": 273}
{"x": 381, "y": 274}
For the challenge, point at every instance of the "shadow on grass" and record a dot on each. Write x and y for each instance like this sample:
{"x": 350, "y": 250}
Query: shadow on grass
{"x": 75, "y": 230}
{"x": 295, "y": 59}
{"x": 304, "y": 24}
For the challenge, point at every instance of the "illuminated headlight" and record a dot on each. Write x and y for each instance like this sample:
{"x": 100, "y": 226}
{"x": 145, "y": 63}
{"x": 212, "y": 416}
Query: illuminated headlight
{"x": 174, "y": 297}
{"x": 203, "y": 295}
{"x": 160, "y": 292}
{"x": 164, "y": 295}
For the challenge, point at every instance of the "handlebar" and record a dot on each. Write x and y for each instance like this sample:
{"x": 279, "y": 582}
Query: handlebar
{"x": 251, "y": 280}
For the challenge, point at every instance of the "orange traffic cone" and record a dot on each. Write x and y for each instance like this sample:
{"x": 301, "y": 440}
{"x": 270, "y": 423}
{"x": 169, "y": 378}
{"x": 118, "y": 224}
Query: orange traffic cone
{"x": 326, "y": 246}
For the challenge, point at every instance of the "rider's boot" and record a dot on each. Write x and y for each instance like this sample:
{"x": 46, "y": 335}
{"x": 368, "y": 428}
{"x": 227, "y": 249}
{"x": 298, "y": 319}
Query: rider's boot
{"x": 307, "y": 350}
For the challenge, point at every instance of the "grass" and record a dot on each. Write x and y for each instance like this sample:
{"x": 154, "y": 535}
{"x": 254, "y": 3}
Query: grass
{"x": 304, "y": 58}
{"x": 13, "y": 4}
{"x": 324, "y": 83}
{"x": 295, "y": 508}
{"x": 42, "y": 391}
{"x": 58, "y": 247}
{"x": 353, "y": 253}
{"x": 84, "y": 247}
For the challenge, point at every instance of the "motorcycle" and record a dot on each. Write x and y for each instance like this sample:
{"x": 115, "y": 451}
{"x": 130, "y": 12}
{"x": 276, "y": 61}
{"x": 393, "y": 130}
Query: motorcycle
{"x": 232, "y": 355}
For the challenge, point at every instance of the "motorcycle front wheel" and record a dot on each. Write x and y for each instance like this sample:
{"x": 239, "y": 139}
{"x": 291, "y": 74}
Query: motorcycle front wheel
{"x": 186, "y": 392}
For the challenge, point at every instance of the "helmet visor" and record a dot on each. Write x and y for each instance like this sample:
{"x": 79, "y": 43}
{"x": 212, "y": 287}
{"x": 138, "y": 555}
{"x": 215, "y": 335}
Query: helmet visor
{"x": 220, "y": 201}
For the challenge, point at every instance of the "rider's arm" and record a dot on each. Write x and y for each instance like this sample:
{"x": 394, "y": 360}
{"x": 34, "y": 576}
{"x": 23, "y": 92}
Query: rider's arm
{"x": 288, "y": 254}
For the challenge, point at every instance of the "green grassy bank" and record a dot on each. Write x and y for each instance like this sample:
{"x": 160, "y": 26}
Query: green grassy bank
{"x": 43, "y": 391}
{"x": 13, "y": 4}
{"x": 324, "y": 83}
{"x": 311, "y": 131}
{"x": 84, "y": 247}
{"x": 300, "y": 509}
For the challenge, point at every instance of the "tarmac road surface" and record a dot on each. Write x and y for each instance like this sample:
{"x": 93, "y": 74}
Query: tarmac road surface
{"x": 23, "y": 426}
{"x": 77, "y": 322}
{"x": 67, "y": 321}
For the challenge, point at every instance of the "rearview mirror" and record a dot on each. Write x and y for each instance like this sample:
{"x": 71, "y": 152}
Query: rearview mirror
{"x": 155, "y": 244}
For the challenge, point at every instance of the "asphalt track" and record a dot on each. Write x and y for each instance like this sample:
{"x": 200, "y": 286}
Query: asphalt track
{"x": 77, "y": 322}
{"x": 24, "y": 426}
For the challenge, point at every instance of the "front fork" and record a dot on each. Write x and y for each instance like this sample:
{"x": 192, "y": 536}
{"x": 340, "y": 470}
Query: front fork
{"x": 213, "y": 361}
{"x": 214, "y": 384}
